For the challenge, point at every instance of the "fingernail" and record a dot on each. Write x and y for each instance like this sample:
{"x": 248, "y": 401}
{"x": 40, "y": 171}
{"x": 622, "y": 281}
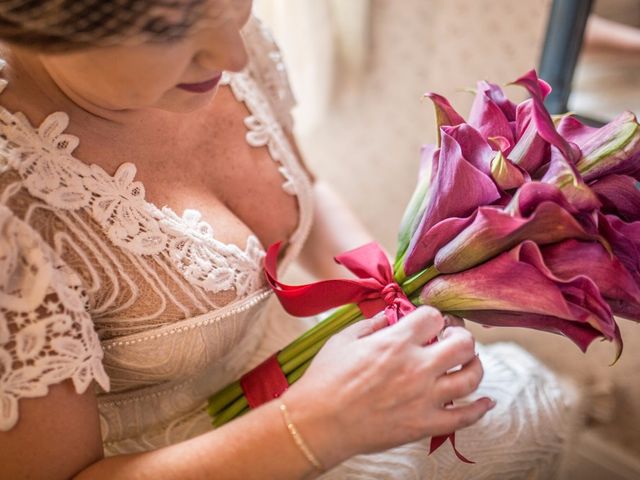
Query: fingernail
{"x": 492, "y": 402}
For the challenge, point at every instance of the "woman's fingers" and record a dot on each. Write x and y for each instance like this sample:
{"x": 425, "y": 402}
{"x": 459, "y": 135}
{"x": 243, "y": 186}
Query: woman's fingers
{"x": 400, "y": 380}
{"x": 456, "y": 347}
{"x": 363, "y": 327}
{"x": 459, "y": 384}
{"x": 419, "y": 326}
{"x": 455, "y": 418}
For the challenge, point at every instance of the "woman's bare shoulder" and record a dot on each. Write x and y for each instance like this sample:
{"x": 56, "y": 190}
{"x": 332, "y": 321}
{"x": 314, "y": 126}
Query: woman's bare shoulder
{"x": 19, "y": 92}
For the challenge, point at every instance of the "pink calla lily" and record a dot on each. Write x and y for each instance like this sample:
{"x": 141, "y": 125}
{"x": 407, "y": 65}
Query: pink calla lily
{"x": 416, "y": 206}
{"x": 473, "y": 146}
{"x": 607, "y": 149}
{"x": 538, "y": 212}
{"x": 579, "y": 333}
{"x": 532, "y": 194}
{"x": 445, "y": 113}
{"x": 564, "y": 176}
{"x": 620, "y": 195}
{"x": 516, "y": 288}
{"x": 493, "y": 231}
{"x": 507, "y": 175}
{"x": 458, "y": 188}
{"x": 426, "y": 247}
{"x": 572, "y": 258}
{"x": 538, "y": 89}
{"x": 624, "y": 239}
{"x": 531, "y": 151}
{"x": 492, "y": 114}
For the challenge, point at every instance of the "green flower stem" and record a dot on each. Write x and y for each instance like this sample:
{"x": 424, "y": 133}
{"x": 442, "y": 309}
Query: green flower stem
{"x": 413, "y": 284}
{"x": 312, "y": 331}
{"x": 323, "y": 329}
{"x": 230, "y": 412}
{"x": 224, "y": 397}
{"x": 313, "y": 348}
{"x": 297, "y": 373}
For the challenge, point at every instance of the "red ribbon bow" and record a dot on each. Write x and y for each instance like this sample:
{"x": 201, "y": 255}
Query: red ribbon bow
{"x": 374, "y": 290}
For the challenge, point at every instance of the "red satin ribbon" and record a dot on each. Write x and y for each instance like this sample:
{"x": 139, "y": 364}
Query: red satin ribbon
{"x": 264, "y": 383}
{"x": 374, "y": 290}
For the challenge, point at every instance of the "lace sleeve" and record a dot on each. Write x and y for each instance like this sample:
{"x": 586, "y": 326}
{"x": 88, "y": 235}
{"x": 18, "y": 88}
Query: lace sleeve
{"x": 267, "y": 66}
{"x": 46, "y": 334}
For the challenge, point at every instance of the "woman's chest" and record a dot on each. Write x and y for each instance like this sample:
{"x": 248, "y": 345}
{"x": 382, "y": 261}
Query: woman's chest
{"x": 203, "y": 161}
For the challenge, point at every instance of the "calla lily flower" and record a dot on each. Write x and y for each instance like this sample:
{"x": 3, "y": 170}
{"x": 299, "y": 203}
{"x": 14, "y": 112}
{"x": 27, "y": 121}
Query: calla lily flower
{"x": 473, "y": 146}
{"x": 607, "y": 149}
{"x": 458, "y": 188}
{"x": 624, "y": 239}
{"x": 620, "y": 195}
{"x": 516, "y": 288}
{"x": 538, "y": 89}
{"x": 572, "y": 258}
{"x": 497, "y": 96}
{"x": 429, "y": 157}
{"x": 507, "y": 175}
{"x": 416, "y": 206}
{"x": 445, "y": 113}
{"x": 538, "y": 212}
{"x": 531, "y": 151}
{"x": 562, "y": 170}
{"x": 492, "y": 114}
{"x": 532, "y": 194}
{"x": 427, "y": 246}
{"x": 564, "y": 176}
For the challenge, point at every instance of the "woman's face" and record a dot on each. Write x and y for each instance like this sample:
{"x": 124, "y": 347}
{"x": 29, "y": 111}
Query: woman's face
{"x": 178, "y": 76}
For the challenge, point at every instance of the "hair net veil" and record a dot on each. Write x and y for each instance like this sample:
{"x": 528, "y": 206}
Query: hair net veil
{"x": 58, "y": 25}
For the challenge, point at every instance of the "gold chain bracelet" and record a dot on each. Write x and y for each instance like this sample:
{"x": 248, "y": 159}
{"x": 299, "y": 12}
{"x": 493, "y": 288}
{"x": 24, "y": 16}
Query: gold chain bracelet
{"x": 297, "y": 438}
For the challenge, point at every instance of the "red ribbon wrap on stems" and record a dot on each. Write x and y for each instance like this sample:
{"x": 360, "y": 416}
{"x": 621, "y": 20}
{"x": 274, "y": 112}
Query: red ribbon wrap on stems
{"x": 373, "y": 291}
{"x": 264, "y": 383}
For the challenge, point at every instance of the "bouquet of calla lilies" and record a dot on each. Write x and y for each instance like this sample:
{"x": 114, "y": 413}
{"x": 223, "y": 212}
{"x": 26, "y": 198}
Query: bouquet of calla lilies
{"x": 518, "y": 219}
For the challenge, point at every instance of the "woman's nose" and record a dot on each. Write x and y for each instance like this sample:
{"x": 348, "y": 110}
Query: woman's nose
{"x": 222, "y": 52}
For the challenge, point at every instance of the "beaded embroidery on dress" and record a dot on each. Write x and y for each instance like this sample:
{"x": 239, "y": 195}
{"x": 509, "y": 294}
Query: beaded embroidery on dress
{"x": 98, "y": 284}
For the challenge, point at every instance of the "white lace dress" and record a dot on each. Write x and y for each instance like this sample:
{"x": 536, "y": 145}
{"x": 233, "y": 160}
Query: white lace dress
{"x": 97, "y": 284}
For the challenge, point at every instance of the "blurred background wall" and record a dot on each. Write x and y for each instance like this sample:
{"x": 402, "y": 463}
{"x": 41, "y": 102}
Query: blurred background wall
{"x": 359, "y": 69}
{"x": 607, "y": 79}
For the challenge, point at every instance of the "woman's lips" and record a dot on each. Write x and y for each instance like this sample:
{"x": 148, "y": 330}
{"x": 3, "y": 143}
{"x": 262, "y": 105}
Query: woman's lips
{"x": 202, "y": 86}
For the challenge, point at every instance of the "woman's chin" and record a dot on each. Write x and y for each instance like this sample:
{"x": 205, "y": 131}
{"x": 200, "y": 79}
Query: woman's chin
{"x": 185, "y": 102}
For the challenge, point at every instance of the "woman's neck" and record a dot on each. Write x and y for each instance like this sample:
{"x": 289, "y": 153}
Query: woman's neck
{"x": 30, "y": 79}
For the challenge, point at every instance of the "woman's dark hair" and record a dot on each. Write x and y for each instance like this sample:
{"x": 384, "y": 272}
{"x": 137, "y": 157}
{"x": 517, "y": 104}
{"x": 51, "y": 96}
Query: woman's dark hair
{"x": 62, "y": 25}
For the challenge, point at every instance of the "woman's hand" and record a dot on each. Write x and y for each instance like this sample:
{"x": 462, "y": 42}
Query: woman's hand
{"x": 372, "y": 388}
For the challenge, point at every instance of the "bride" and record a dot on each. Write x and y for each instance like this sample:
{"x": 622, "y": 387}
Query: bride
{"x": 119, "y": 316}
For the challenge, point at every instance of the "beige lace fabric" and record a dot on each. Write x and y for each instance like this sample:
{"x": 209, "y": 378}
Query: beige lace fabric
{"x": 97, "y": 284}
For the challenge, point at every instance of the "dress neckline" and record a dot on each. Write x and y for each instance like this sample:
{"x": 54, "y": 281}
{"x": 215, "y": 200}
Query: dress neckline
{"x": 118, "y": 201}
